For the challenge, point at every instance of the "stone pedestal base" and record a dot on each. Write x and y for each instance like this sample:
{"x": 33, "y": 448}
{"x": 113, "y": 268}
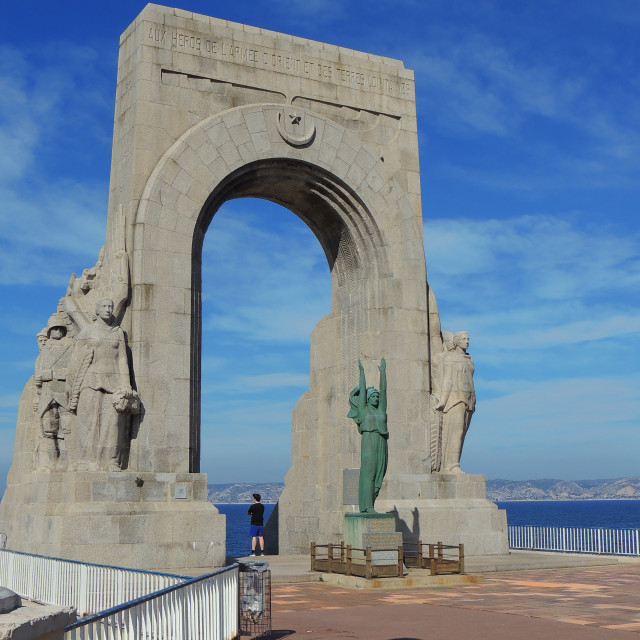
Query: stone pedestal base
{"x": 375, "y": 530}
{"x": 157, "y": 521}
{"x": 447, "y": 508}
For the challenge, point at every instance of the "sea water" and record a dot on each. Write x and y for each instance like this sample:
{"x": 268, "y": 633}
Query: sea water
{"x": 609, "y": 514}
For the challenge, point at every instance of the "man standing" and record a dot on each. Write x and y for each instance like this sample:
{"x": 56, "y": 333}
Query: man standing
{"x": 256, "y": 511}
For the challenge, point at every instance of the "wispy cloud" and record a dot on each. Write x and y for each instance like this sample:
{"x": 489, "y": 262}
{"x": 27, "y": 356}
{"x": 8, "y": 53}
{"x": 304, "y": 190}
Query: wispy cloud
{"x": 47, "y": 207}
{"x": 472, "y": 84}
{"x": 542, "y": 296}
{"x": 232, "y": 384}
{"x": 542, "y": 258}
{"x": 591, "y": 423}
{"x": 265, "y": 276}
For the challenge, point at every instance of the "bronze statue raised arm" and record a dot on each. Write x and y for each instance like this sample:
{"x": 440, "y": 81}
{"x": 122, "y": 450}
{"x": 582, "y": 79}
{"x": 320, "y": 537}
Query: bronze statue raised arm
{"x": 369, "y": 411}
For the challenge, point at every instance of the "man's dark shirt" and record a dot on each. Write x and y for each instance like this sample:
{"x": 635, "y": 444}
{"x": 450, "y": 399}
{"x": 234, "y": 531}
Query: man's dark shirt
{"x": 256, "y": 511}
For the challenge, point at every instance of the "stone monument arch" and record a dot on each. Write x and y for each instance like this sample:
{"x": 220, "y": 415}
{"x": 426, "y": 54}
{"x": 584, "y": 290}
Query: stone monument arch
{"x": 336, "y": 207}
{"x": 208, "y": 111}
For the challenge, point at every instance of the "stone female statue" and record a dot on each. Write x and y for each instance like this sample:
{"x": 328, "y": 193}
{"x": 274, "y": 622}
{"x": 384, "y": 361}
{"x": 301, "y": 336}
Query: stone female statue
{"x": 369, "y": 411}
{"x": 100, "y": 391}
{"x": 457, "y": 401}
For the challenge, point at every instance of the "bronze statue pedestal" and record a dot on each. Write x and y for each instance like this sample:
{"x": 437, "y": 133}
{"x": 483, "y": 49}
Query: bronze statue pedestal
{"x": 374, "y": 530}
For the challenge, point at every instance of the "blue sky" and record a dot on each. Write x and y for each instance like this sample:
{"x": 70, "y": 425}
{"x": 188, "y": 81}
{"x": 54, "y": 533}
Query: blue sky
{"x": 529, "y": 128}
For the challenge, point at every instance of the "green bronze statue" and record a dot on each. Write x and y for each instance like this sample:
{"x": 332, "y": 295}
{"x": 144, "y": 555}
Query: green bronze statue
{"x": 369, "y": 412}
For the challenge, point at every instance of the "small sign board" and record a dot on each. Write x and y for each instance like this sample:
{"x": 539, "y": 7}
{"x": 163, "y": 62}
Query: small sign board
{"x": 350, "y": 481}
{"x": 180, "y": 492}
{"x": 387, "y": 540}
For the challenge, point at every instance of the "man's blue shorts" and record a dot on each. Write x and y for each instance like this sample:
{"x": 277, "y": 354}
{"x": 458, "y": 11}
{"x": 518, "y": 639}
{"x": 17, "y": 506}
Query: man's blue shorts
{"x": 256, "y": 531}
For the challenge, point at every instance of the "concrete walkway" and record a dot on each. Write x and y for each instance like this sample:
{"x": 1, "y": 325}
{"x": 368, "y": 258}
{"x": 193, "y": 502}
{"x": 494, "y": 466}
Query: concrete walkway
{"x": 288, "y": 569}
{"x": 524, "y": 596}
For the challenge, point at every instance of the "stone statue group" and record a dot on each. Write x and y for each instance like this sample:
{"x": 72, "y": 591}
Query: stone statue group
{"x": 83, "y": 392}
{"x": 454, "y": 403}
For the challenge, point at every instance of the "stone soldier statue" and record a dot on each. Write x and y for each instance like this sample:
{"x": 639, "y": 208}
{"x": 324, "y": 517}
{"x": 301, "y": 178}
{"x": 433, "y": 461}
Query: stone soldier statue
{"x": 52, "y": 401}
{"x": 457, "y": 401}
{"x": 369, "y": 412}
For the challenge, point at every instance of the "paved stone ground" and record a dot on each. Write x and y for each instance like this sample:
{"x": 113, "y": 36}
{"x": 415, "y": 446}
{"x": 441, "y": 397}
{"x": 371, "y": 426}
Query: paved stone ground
{"x": 586, "y": 603}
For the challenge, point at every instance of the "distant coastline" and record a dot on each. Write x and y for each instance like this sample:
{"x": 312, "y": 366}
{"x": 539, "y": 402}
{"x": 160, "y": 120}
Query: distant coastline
{"x": 564, "y": 490}
{"x": 242, "y": 493}
{"x": 627, "y": 488}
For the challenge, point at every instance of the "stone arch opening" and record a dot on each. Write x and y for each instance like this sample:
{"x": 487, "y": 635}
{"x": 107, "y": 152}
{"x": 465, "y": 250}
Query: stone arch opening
{"x": 265, "y": 286}
{"x": 346, "y": 231}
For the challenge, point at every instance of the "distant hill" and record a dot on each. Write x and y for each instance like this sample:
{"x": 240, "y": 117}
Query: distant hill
{"x": 616, "y": 489}
{"x": 243, "y": 493}
{"x": 497, "y": 490}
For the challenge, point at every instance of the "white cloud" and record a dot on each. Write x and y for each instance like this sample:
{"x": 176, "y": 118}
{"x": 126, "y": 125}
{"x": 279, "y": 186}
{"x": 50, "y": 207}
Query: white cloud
{"x": 532, "y": 259}
{"x": 542, "y": 297}
{"x": 566, "y": 408}
{"x": 50, "y": 220}
{"x": 241, "y": 385}
{"x": 556, "y": 123}
{"x": 557, "y": 428}
{"x": 249, "y": 420}
{"x": 472, "y": 82}
{"x": 263, "y": 280}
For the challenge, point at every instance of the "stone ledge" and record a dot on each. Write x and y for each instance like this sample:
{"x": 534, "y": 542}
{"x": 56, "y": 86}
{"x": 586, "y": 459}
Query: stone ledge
{"x": 36, "y": 622}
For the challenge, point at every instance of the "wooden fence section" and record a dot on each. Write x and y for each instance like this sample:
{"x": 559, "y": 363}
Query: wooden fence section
{"x": 439, "y": 558}
{"x": 351, "y": 561}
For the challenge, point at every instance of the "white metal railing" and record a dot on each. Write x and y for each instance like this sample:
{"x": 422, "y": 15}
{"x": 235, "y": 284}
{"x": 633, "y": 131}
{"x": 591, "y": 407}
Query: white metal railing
{"x": 205, "y": 608}
{"x": 87, "y": 587}
{"x": 619, "y": 542}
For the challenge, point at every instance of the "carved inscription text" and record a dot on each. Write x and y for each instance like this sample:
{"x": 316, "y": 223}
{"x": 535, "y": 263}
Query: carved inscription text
{"x": 267, "y": 58}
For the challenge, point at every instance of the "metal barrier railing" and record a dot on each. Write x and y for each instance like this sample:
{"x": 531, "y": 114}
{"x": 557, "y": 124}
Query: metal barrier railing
{"x": 618, "y": 542}
{"x": 123, "y": 603}
{"x": 85, "y": 586}
{"x": 205, "y": 607}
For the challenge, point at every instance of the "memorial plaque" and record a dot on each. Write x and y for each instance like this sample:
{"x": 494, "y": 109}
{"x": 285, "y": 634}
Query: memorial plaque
{"x": 384, "y": 546}
{"x": 389, "y": 540}
{"x": 381, "y": 525}
{"x": 350, "y": 480}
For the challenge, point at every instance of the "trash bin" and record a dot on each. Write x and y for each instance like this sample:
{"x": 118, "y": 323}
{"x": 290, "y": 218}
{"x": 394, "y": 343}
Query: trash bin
{"x": 255, "y": 599}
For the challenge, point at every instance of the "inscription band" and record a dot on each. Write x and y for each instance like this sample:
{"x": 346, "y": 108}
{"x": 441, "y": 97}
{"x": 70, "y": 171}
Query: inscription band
{"x": 267, "y": 58}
